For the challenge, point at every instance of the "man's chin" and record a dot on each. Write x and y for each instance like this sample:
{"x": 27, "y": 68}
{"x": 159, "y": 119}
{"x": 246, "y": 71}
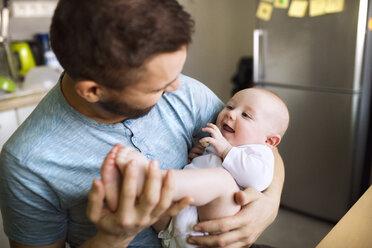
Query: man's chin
{"x": 125, "y": 112}
{"x": 136, "y": 115}
{"x": 123, "y": 109}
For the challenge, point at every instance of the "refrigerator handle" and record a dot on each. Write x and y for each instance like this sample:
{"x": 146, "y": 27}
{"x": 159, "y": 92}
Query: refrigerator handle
{"x": 258, "y": 55}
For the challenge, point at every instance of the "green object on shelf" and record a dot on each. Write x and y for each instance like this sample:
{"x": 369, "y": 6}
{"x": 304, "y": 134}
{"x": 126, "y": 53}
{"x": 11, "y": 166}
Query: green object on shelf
{"x": 7, "y": 84}
{"x": 24, "y": 56}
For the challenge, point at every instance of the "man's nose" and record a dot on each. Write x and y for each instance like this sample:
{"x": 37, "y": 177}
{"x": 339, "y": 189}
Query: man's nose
{"x": 174, "y": 86}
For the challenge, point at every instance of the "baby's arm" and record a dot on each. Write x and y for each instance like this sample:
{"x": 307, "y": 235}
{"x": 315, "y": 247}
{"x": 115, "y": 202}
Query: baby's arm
{"x": 251, "y": 166}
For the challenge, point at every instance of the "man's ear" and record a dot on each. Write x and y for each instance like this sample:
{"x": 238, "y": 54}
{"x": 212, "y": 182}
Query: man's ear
{"x": 89, "y": 90}
{"x": 273, "y": 141}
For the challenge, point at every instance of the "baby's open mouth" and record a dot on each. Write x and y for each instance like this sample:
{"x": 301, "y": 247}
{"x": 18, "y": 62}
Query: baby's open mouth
{"x": 227, "y": 128}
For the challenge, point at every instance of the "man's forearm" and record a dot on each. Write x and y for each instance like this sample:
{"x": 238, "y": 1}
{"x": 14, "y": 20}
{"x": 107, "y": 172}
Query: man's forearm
{"x": 276, "y": 186}
{"x": 102, "y": 241}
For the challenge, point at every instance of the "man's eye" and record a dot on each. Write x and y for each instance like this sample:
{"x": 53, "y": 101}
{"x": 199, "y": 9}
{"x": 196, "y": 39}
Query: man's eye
{"x": 229, "y": 107}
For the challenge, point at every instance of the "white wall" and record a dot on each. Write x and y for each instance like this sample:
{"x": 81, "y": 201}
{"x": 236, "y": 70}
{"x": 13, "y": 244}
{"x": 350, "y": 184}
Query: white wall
{"x": 224, "y": 33}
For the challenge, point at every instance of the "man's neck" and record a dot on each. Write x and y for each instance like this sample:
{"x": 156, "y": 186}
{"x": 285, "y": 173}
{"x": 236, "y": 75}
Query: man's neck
{"x": 91, "y": 110}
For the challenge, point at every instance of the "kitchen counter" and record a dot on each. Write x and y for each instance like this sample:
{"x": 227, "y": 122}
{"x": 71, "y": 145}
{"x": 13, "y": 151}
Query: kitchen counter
{"x": 38, "y": 81}
{"x": 22, "y": 97}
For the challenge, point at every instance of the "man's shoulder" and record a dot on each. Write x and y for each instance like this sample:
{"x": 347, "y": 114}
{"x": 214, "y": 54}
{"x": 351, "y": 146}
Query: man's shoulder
{"x": 193, "y": 92}
{"x": 37, "y": 129}
{"x": 189, "y": 84}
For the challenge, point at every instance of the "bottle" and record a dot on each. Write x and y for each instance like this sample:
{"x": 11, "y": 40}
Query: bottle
{"x": 50, "y": 58}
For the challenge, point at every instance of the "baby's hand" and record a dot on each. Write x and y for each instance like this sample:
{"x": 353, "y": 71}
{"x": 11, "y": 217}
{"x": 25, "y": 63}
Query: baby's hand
{"x": 195, "y": 151}
{"x": 220, "y": 144}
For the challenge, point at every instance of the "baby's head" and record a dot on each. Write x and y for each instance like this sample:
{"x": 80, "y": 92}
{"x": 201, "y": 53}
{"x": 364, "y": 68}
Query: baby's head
{"x": 254, "y": 116}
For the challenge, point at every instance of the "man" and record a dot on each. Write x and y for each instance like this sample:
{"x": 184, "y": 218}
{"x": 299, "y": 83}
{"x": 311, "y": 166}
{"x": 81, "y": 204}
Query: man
{"x": 122, "y": 84}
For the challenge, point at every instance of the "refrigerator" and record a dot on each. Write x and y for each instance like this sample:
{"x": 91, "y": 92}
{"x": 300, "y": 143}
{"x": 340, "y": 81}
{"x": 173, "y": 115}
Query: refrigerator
{"x": 321, "y": 67}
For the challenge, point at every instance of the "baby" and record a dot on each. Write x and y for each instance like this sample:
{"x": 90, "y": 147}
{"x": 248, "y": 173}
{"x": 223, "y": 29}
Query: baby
{"x": 239, "y": 156}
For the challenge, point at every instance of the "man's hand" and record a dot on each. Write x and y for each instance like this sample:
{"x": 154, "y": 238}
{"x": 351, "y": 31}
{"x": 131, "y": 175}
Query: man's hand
{"x": 242, "y": 229}
{"x": 220, "y": 144}
{"x": 118, "y": 228}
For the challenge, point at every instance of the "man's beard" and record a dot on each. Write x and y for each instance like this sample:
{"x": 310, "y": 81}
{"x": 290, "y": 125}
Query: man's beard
{"x": 123, "y": 109}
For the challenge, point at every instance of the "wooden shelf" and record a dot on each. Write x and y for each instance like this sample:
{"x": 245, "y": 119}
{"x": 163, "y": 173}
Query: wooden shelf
{"x": 20, "y": 101}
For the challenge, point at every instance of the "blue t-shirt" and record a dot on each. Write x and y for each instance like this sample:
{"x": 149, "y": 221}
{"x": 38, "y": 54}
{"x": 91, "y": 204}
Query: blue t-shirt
{"x": 47, "y": 166}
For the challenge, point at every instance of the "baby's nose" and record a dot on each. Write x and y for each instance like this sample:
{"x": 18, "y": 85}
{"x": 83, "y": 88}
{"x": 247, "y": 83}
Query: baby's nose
{"x": 231, "y": 114}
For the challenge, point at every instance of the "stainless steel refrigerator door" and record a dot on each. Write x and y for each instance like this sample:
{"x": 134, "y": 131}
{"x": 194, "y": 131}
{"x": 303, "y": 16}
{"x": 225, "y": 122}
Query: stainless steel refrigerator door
{"x": 311, "y": 51}
{"x": 317, "y": 151}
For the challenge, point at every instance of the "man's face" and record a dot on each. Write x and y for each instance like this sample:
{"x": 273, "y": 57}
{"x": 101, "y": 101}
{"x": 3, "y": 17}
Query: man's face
{"x": 136, "y": 100}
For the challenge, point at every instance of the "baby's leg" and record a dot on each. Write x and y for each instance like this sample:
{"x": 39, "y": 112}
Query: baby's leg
{"x": 212, "y": 190}
{"x": 127, "y": 154}
{"x": 112, "y": 180}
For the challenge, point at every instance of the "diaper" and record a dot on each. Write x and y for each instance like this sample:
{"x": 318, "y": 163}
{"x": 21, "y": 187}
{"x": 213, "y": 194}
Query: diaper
{"x": 180, "y": 228}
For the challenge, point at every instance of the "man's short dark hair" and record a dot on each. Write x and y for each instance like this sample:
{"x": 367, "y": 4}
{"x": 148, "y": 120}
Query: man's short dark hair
{"x": 109, "y": 41}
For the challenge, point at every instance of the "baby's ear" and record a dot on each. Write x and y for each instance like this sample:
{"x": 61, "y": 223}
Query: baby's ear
{"x": 273, "y": 141}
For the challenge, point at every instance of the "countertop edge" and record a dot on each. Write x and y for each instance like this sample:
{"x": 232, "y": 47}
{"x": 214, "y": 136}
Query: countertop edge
{"x": 21, "y": 101}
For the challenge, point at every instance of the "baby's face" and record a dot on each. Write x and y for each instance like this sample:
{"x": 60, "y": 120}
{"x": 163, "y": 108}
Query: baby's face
{"x": 246, "y": 118}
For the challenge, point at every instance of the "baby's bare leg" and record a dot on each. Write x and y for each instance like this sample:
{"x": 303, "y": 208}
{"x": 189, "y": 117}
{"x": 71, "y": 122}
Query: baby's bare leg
{"x": 211, "y": 189}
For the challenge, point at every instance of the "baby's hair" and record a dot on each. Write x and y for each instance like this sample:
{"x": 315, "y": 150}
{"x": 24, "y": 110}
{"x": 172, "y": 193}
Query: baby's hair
{"x": 284, "y": 113}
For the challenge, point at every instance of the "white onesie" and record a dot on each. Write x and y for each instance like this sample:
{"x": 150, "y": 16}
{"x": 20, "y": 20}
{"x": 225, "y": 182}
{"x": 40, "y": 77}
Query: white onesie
{"x": 250, "y": 166}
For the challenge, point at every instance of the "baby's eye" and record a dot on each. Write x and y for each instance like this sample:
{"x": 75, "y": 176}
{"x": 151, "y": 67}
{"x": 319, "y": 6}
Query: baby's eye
{"x": 245, "y": 115}
{"x": 229, "y": 107}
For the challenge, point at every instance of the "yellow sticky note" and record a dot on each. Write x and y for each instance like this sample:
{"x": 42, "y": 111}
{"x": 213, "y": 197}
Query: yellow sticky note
{"x": 334, "y": 6}
{"x": 317, "y": 7}
{"x": 264, "y": 11}
{"x": 283, "y": 4}
{"x": 298, "y": 8}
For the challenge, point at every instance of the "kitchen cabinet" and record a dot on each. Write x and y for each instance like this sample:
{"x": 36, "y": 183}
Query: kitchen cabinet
{"x": 8, "y": 124}
{"x": 11, "y": 119}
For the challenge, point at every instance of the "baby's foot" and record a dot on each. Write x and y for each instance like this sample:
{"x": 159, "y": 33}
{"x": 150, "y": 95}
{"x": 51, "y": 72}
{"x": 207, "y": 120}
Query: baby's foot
{"x": 127, "y": 154}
